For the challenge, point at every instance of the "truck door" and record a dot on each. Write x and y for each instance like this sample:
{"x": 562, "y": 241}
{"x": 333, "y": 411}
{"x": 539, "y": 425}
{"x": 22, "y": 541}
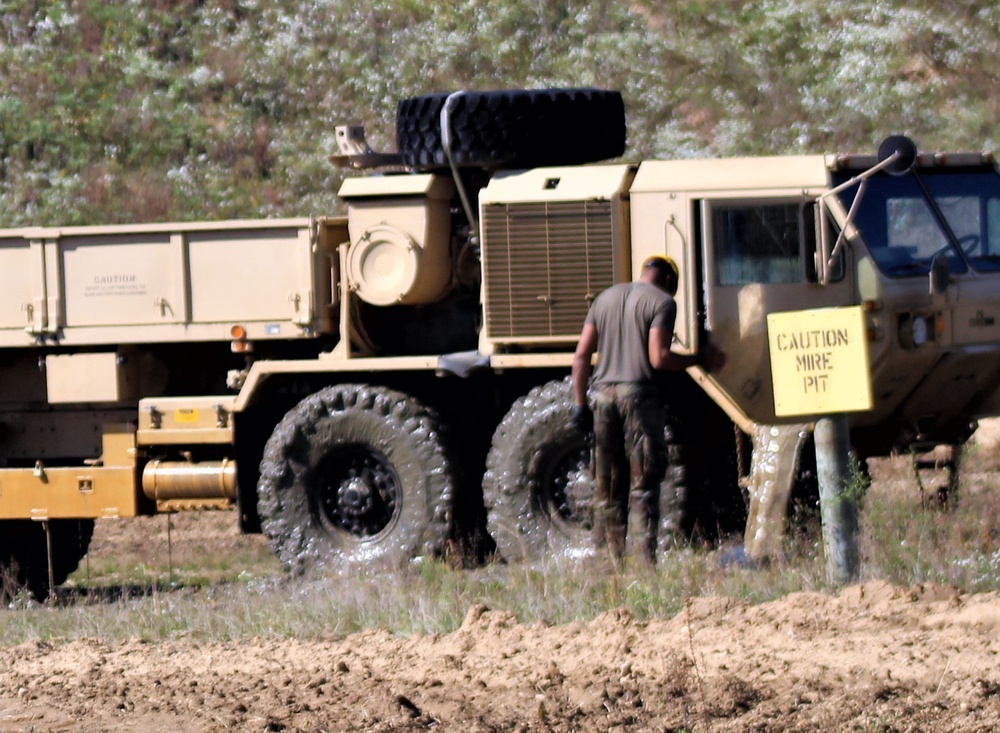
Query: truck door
{"x": 759, "y": 257}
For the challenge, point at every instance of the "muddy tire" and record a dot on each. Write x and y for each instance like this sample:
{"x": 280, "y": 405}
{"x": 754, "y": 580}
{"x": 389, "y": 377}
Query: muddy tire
{"x": 678, "y": 512}
{"x": 521, "y": 128}
{"x": 24, "y": 553}
{"x": 803, "y": 502}
{"x": 355, "y": 473}
{"x": 700, "y": 497}
{"x": 538, "y": 487}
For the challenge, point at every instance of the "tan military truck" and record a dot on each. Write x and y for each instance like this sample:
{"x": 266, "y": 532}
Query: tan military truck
{"x": 385, "y": 384}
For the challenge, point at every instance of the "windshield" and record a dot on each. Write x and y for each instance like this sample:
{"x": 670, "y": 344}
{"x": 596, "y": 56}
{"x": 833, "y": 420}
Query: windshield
{"x": 905, "y": 233}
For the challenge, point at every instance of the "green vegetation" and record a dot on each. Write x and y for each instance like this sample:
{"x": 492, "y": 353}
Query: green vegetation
{"x": 222, "y": 586}
{"x": 426, "y": 598}
{"x": 208, "y": 109}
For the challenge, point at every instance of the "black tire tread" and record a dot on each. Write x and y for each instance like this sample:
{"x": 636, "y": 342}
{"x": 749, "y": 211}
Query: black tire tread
{"x": 24, "y": 553}
{"x": 522, "y": 530}
{"x": 513, "y": 128}
{"x": 294, "y": 534}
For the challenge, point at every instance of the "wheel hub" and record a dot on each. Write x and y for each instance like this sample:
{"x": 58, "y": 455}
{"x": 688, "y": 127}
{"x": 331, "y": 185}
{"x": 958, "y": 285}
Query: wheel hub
{"x": 572, "y": 488}
{"x": 359, "y": 491}
{"x": 356, "y": 496}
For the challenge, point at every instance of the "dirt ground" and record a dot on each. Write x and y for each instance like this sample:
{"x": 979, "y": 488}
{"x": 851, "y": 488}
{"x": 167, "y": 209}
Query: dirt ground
{"x": 874, "y": 658}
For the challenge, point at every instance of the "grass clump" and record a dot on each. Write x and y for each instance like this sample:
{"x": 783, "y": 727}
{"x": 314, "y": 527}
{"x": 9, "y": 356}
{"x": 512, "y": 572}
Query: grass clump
{"x": 909, "y": 538}
{"x": 224, "y": 587}
{"x": 426, "y": 597}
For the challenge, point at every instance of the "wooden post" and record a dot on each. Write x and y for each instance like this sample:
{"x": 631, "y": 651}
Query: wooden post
{"x": 838, "y": 510}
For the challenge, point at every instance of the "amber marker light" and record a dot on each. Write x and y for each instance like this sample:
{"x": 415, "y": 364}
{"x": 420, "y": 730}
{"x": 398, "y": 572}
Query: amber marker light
{"x": 239, "y": 344}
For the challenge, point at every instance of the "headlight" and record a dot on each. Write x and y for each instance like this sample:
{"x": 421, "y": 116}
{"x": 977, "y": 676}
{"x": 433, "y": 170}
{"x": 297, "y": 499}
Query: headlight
{"x": 913, "y": 331}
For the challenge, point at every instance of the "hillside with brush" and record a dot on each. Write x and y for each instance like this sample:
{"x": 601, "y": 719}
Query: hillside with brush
{"x": 211, "y": 109}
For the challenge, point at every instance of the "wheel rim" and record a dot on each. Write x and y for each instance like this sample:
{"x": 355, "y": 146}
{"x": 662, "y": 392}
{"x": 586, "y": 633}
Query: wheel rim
{"x": 359, "y": 494}
{"x": 567, "y": 489}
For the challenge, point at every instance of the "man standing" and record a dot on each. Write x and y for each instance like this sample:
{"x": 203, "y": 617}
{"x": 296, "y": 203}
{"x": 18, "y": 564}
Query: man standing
{"x": 631, "y": 327}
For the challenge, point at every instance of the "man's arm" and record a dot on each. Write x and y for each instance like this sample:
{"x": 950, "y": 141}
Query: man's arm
{"x": 583, "y": 418}
{"x": 582, "y": 363}
{"x": 661, "y": 357}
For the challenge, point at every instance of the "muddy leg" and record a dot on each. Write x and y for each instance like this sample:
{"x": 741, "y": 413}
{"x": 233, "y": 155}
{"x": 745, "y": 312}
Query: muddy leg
{"x": 611, "y": 479}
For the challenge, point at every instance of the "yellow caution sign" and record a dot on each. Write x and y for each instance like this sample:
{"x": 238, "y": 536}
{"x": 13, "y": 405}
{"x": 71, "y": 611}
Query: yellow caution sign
{"x": 819, "y": 361}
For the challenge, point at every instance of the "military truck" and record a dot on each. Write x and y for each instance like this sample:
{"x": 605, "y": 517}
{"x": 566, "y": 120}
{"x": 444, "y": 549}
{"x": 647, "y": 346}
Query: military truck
{"x": 391, "y": 382}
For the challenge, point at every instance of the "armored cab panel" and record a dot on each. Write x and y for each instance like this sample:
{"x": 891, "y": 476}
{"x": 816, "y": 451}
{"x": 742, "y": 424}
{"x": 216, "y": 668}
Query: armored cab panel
{"x": 665, "y": 213}
{"x": 552, "y": 240}
{"x": 163, "y": 282}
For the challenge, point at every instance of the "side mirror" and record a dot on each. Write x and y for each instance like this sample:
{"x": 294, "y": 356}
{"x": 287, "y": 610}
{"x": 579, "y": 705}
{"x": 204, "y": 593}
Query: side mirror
{"x": 940, "y": 274}
{"x": 905, "y": 151}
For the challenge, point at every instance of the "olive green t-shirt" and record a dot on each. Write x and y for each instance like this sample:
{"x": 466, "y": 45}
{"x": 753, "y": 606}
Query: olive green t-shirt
{"x": 623, "y": 315}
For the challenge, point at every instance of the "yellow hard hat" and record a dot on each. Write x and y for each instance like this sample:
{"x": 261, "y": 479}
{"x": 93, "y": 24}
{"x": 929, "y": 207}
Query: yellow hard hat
{"x": 660, "y": 262}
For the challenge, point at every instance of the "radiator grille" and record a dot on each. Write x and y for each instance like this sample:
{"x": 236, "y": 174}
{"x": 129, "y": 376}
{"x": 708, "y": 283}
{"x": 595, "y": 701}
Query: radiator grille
{"x": 544, "y": 263}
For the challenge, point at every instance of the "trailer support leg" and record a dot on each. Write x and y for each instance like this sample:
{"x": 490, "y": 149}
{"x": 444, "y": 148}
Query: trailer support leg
{"x": 48, "y": 555}
{"x": 170, "y": 552}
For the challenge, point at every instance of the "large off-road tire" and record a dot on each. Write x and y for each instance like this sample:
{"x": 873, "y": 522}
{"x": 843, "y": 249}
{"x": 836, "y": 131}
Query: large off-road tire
{"x": 513, "y": 129}
{"x": 538, "y": 487}
{"x": 700, "y": 497}
{"x": 24, "y": 553}
{"x": 355, "y": 473}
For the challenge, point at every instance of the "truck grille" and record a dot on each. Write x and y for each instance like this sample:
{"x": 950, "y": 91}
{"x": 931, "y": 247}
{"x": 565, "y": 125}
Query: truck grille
{"x": 544, "y": 263}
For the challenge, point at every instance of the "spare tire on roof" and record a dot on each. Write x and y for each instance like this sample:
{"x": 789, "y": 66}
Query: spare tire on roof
{"x": 512, "y": 129}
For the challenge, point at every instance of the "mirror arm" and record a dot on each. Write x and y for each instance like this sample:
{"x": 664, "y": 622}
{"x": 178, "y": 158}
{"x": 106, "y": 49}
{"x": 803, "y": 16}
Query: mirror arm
{"x": 827, "y": 261}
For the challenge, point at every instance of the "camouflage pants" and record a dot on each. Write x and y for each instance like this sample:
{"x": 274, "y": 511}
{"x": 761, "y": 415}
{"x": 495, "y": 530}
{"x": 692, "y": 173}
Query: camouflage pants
{"x": 630, "y": 458}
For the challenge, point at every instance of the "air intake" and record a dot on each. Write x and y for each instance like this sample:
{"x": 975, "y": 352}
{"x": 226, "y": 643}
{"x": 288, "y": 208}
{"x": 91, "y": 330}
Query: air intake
{"x": 544, "y": 263}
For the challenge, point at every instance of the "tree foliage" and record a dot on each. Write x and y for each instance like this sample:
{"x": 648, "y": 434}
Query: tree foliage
{"x": 151, "y": 110}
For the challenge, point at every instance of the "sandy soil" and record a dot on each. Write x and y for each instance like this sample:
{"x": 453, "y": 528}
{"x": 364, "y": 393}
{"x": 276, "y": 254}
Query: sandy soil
{"x": 874, "y": 658}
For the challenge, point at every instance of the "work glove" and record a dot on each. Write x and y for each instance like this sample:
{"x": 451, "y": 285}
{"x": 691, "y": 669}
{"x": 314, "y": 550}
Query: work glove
{"x": 583, "y": 419}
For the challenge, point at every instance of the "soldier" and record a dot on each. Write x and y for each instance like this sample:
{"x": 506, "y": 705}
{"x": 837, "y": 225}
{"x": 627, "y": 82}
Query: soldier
{"x": 630, "y": 326}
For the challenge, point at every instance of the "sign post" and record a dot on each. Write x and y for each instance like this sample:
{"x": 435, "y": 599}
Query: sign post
{"x": 838, "y": 511}
{"x": 819, "y": 366}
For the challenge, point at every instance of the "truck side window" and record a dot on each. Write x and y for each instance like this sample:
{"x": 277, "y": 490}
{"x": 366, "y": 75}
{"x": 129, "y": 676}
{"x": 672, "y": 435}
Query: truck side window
{"x": 992, "y": 246}
{"x": 756, "y": 242}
